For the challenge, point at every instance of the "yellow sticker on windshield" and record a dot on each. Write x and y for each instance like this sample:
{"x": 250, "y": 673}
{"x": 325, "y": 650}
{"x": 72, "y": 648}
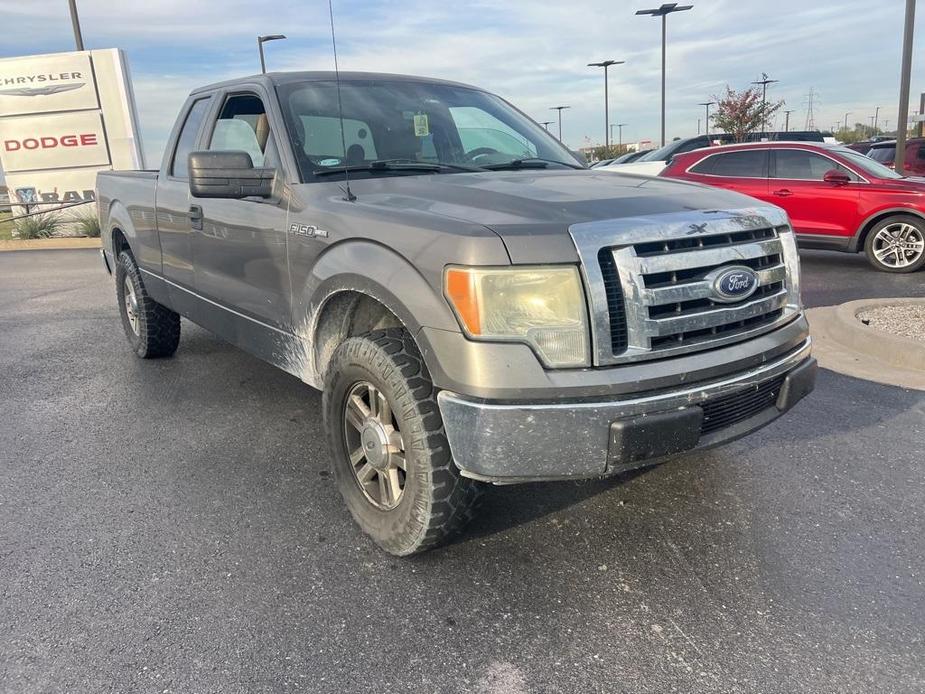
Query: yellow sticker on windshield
{"x": 421, "y": 126}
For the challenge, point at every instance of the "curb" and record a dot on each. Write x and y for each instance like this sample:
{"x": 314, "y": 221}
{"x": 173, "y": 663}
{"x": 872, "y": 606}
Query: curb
{"x": 843, "y": 344}
{"x": 48, "y": 244}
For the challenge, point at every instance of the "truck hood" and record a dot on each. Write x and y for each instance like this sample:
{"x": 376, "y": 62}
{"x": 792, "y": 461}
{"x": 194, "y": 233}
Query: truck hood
{"x": 532, "y": 210}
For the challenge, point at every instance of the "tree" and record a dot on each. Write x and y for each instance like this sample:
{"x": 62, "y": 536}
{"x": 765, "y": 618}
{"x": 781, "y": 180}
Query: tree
{"x": 742, "y": 113}
{"x": 601, "y": 152}
{"x": 860, "y": 133}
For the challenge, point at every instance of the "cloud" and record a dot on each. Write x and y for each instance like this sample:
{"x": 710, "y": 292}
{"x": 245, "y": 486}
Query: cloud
{"x": 532, "y": 53}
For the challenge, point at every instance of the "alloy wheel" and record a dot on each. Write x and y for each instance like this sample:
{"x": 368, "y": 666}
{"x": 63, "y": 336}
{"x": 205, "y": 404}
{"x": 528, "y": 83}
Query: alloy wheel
{"x": 131, "y": 304}
{"x": 898, "y": 245}
{"x": 374, "y": 445}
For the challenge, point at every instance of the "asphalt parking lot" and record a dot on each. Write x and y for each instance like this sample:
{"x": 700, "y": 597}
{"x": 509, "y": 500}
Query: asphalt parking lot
{"x": 171, "y": 526}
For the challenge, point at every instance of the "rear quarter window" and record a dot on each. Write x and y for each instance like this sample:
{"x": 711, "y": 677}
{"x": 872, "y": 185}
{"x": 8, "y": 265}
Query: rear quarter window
{"x": 743, "y": 164}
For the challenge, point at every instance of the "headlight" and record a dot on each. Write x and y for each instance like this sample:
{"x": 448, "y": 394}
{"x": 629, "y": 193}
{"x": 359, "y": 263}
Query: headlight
{"x": 541, "y": 306}
{"x": 792, "y": 261}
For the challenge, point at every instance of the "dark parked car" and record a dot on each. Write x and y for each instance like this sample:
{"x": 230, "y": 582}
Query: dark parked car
{"x": 837, "y": 198}
{"x": 885, "y": 153}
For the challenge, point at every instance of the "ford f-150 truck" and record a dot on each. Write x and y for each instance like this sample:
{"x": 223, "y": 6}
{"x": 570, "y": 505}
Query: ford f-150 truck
{"x": 476, "y": 305}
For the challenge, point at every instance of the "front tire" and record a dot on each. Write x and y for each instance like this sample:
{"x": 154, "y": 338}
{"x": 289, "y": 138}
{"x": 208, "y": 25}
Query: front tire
{"x": 152, "y": 330}
{"x": 896, "y": 244}
{"x": 391, "y": 458}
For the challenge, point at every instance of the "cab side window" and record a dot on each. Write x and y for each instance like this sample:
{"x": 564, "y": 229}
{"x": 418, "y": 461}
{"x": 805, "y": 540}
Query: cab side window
{"x": 243, "y": 126}
{"x": 186, "y": 141}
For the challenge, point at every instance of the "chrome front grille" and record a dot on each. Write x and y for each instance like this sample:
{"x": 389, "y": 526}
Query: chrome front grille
{"x": 666, "y": 303}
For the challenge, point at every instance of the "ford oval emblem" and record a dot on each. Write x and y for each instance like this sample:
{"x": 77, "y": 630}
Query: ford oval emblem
{"x": 734, "y": 283}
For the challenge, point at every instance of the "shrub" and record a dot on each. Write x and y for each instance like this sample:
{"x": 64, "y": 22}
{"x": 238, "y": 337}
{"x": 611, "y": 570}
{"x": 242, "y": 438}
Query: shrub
{"x": 86, "y": 223}
{"x": 38, "y": 226}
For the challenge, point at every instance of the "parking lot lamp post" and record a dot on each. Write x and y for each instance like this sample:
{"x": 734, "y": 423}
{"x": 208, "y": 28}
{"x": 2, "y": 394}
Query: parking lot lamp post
{"x": 899, "y": 161}
{"x": 706, "y": 129}
{"x": 546, "y": 124}
{"x": 606, "y": 64}
{"x": 620, "y": 132}
{"x": 787, "y": 121}
{"x": 560, "y": 109}
{"x": 663, "y": 12}
{"x": 260, "y": 41}
{"x": 75, "y": 23}
{"x": 764, "y": 82}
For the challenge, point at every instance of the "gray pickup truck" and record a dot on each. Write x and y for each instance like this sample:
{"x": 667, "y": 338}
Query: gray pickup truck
{"x": 476, "y": 305}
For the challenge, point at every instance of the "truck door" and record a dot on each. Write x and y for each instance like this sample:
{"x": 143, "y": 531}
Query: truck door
{"x": 239, "y": 247}
{"x": 173, "y": 200}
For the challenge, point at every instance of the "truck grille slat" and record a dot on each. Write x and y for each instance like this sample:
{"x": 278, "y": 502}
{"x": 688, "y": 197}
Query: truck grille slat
{"x": 651, "y": 282}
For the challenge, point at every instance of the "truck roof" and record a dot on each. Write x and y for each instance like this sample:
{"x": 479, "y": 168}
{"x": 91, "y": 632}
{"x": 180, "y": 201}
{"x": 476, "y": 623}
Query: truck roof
{"x": 271, "y": 79}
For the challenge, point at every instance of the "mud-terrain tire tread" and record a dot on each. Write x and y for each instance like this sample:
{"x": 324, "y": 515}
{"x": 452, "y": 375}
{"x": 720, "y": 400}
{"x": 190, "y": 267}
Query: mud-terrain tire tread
{"x": 159, "y": 327}
{"x": 449, "y": 501}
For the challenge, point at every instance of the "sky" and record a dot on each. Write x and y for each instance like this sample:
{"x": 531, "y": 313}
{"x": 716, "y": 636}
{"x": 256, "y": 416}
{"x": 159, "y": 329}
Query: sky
{"x": 533, "y": 53}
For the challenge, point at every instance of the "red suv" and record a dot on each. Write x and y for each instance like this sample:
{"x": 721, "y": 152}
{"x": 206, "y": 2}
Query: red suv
{"x": 837, "y": 199}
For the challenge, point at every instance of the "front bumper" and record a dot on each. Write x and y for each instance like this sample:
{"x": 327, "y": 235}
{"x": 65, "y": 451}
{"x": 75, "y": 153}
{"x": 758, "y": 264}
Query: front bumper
{"x": 519, "y": 442}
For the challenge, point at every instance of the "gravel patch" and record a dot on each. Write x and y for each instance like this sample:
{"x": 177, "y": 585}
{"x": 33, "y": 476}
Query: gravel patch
{"x": 908, "y": 320}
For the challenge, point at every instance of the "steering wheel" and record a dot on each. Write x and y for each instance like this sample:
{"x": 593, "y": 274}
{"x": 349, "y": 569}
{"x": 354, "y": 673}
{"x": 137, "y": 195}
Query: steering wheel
{"x": 481, "y": 152}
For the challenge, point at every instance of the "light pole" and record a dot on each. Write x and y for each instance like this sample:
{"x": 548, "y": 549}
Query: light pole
{"x": 620, "y": 132}
{"x": 903, "y": 117}
{"x": 606, "y": 64}
{"x": 764, "y": 82}
{"x": 75, "y": 22}
{"x": 560, "y": 109}
{"x": 787, "y": 120}
{"x": 260, "y": 41}
{"x": 546, "y": 124}
{"x": 706, "y": 129}
{"x": 663, "y": 12}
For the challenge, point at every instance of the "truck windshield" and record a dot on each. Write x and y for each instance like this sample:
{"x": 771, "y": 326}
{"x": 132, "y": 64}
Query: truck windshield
{"x": 453, "y": 129}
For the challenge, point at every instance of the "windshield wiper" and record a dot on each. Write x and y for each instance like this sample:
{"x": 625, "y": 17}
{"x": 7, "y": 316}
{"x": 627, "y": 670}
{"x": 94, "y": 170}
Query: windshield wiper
{"x": 396, "y": 165}
{"x": 528, "y": 163}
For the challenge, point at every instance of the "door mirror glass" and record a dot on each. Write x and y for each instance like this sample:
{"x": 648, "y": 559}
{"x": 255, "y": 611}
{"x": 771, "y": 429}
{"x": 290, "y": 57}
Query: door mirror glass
{"x": 836, "y": 177}
{"x": 228, "y": 174}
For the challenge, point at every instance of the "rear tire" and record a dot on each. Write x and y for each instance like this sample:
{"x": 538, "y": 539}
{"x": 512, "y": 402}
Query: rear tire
{"x": 896, "y": 244}
{"x": 391, "y": 458}
{"x": 152, "y": 330}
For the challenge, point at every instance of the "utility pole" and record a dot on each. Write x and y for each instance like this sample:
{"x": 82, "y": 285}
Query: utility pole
{"x": 260, "y": 41}
{"x": 764, "y": 82}
{"x": 75, "y": 22}
{"x": 663, "y": 12}
{"x": 810, "y": 120}
{"x": 560, "y": 109}
{"x": 787, "y": 120}
{"x": 707, "y": 105}
{"x": 899, "y": 161}
{"x": 606, "y": 64}
{"x": 546, "y": 124}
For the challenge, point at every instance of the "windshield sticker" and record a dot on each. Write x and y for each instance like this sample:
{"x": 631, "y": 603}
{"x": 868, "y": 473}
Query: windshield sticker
{"x": 421, "y": 126}
{"x": 329, "y": 162}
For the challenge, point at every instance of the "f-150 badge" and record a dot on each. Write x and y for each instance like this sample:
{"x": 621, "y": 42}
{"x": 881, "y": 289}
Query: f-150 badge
{"x": 308, "y": 230}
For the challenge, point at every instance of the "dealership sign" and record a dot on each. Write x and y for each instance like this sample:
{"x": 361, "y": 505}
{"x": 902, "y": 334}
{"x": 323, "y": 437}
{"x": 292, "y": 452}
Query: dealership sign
{"x": 63, "y": 117}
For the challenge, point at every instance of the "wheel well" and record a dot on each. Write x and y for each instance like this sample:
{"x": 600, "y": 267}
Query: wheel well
{"x": 862, "y": 237}
{"x": 345, "y": 315}
{"x": 119, "y": 242}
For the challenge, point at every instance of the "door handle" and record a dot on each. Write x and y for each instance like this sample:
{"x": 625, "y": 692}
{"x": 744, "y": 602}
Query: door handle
{"x": 783, "y": 193}
{"x": 195, "y": 217}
